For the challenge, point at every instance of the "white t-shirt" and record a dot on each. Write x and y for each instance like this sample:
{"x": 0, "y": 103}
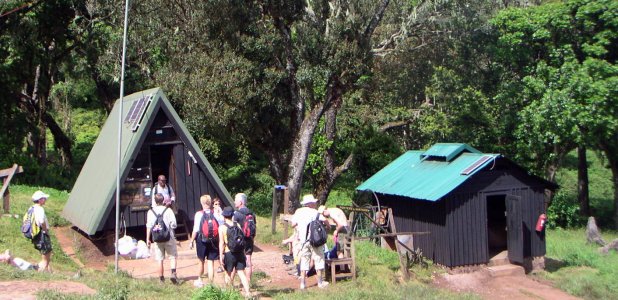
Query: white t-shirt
{"x": 302, "y": 217}
{"x": 166, "y": 191}
{"x": 39, "y": 215}
{"x": 168, "y": 218}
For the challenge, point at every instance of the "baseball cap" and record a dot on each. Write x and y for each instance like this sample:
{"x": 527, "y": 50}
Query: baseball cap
{"x": 228, "y": 212}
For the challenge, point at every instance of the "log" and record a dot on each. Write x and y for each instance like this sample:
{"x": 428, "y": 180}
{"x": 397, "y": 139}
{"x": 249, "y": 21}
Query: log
{"x": 593, "y": 236}
{"x": 611, "y": 246}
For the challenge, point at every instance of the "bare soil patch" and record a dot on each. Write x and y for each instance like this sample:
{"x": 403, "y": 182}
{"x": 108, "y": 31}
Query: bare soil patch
{"x": 22, "y": 289}
{"x": 506, "y": 287}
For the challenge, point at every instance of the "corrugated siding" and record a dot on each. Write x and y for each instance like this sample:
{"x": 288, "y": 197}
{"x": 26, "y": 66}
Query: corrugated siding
{"x": 467, "y": 229}
{"x": 420, "y": 217}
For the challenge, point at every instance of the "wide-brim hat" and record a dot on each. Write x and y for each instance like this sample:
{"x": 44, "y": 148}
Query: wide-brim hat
{"x": 38, "y": 195}
{"x": 308, "y": 199}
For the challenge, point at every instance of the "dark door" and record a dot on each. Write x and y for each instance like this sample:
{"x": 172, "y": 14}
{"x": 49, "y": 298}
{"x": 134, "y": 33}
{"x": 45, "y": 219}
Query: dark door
{"x": 515, "y": 237}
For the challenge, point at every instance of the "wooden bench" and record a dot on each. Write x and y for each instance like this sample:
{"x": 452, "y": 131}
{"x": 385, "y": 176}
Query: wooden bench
{"x": 346, "y": 264}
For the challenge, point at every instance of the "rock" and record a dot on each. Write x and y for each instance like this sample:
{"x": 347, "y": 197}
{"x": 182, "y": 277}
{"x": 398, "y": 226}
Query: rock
{"x": 593, "y": 236}
{"x": 613, "y": 245}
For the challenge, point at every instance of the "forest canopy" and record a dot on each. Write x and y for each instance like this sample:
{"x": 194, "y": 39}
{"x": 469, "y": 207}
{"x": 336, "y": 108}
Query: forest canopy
{"x": 312, "y": 94}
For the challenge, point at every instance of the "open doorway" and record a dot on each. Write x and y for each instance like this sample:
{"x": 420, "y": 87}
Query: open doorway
{"x": 160, "y": 157}
{"x": 496, "y": 224}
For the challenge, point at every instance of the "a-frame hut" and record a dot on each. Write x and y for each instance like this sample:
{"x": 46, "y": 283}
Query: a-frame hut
{"x": 474, "y": 205}
{"x": 154, "y": 141}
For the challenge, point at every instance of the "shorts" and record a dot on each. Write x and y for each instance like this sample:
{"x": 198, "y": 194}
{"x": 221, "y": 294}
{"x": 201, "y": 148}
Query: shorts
{"x": 307, "y": 253}
{"x": 166, "y": 248}
{"x": 42, "y": 242}
{"x": 234, "y": 261}
{"x": 345, "y": 229}
{"x": 207, "y": 250}
{"x": 248, "y": 246}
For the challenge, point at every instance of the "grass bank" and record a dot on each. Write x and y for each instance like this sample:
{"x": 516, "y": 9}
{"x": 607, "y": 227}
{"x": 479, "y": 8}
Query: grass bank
{"x": 578, "y": 268}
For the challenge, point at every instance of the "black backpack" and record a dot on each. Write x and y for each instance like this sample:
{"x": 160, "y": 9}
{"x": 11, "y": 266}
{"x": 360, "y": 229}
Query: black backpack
{"x": 209, "y": 228}
{"x": 160, "y": 232}
{"x": 248, "y": 224}
{"x": 316, "y": 232}
{"x": 235, "y": 238}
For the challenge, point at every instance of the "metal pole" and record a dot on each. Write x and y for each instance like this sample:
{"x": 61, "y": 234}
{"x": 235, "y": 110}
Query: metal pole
{"x": 124, "y": 49}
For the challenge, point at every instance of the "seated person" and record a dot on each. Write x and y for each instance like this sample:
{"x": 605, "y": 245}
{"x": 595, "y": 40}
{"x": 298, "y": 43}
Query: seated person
{"x": 16, "y": 261}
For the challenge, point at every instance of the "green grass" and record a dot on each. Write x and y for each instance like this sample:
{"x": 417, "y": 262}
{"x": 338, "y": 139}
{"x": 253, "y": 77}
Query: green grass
{"x": 378, "y": 277}
{"x": 578, "y": 268}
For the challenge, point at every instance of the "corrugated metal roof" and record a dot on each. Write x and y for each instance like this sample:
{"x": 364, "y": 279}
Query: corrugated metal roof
{"x": 448, "y": 151}
{"x": 91, "y": 198}
{"x": 411, "y": 176}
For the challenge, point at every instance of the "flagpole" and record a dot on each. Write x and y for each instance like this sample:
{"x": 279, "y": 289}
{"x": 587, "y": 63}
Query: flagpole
{"x": 124, "y": 49}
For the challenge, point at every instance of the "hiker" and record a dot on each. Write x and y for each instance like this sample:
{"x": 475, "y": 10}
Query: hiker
{"x": 17, "y": 262}
{"x": 162, "y": 248}
{"x": 161, "y": 187}
{"x": 338, "y": 217}
{"x": 302, "y": 218}
{"x": 241, "y": 216}
{"x": 207, "y": 246}
{"x": 42, "y": 241}
{"x": 232, "y": 257}
{"x": 218, "y": 209}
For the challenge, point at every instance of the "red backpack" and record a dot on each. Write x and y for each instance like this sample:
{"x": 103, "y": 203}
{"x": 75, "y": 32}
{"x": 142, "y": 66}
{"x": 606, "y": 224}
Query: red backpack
{"x": 209, "y": 227}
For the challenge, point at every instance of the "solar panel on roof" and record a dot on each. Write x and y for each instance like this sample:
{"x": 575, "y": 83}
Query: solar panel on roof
{"x": 139, "y": 111}
{"x": 475, "y": 165}
{"x": 128, "y": 118}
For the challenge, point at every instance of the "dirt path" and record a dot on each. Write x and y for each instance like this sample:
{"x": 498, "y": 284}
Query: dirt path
{"x": 23, "y": 290}
{"x": 266, "y": 259}
{"x": 507, "y": 287}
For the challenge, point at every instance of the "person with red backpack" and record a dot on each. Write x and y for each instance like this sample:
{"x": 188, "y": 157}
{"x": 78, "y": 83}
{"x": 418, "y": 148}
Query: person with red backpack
{"x": 246, "y": 219}
{"x": 205, "y": 237}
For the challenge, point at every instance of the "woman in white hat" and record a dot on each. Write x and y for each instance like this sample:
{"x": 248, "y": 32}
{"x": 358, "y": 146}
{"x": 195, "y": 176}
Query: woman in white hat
{"x": 42, "y": 241}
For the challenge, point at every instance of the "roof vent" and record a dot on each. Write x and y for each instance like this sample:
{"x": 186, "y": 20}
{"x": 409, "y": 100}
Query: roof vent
{"x": 446, "y": 151}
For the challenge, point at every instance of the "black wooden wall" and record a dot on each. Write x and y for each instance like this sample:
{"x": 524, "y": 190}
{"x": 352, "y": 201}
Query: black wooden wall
{"x": 458, "y": 222}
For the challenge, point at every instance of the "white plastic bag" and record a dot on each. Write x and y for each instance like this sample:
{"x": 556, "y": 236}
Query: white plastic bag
{"x": 126, "y": 246}
{"x": 142, "y": 250}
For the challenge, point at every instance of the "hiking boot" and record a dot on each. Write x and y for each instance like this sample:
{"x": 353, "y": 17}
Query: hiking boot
{"x": 322, "y": 285}
{"x": 174, "y": 279}
{"x": 219, "y": 269}
{"x": 161, "y": 279}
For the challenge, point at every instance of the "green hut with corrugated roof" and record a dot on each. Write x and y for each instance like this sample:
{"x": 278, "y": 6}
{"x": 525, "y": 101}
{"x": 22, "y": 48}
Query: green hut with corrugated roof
{"x": 474, "y": 205}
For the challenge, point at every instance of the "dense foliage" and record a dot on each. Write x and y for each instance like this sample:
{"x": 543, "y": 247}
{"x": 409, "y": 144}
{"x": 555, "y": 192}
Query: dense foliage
{"x": 308, "y": 93}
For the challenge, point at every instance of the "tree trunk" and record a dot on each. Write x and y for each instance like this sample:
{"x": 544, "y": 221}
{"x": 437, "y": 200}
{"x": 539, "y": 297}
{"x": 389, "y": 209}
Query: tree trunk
{"x": 611, "y": 152}
{"x": 331, "y": 173}
{"x": 582, "y": 182}
{"x": 614, "y": 167}
{"x": 300, "y": 151}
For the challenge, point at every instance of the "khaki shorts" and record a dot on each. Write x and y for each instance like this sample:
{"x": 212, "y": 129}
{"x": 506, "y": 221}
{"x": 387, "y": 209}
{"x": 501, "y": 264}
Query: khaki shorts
{"x": 167, "y": 248}
{"x": 307, "y": 253}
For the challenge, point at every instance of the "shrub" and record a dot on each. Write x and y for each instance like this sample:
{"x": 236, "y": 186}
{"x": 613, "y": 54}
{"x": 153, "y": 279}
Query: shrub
{"x": 564, "y": 212}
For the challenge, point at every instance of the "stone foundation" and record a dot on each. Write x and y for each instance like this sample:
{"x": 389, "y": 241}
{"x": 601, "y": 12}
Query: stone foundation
{"x": 532, "y": 264}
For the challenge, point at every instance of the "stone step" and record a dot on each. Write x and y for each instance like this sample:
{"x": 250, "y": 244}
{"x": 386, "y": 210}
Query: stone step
{"x": 505, "y": 270}
{"x": 498, "y": 261}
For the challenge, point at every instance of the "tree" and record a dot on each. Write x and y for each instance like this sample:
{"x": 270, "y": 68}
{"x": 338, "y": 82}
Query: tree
{"x": 565, "y": 53}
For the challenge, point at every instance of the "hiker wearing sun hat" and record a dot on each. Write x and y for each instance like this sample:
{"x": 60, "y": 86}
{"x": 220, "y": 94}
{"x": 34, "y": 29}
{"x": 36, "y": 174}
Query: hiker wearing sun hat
{"x": 301, "y": 219}
{"x": 42, "y": 241}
